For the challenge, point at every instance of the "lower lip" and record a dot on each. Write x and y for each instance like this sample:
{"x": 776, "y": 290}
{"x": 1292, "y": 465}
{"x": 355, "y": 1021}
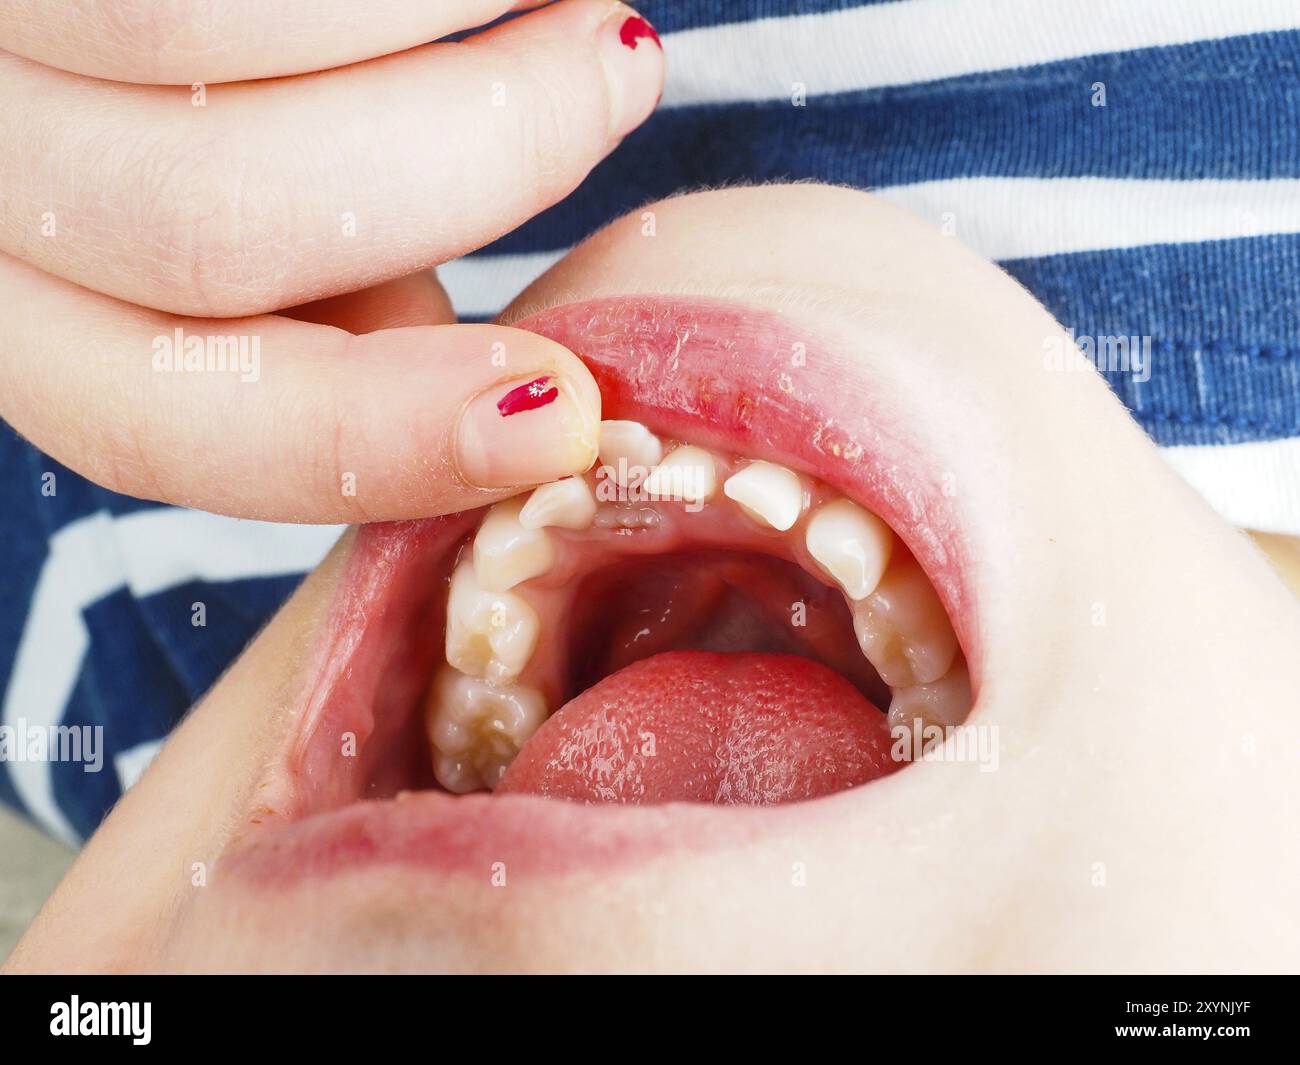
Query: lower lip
{"x": 737, "y": 393}
{"x": 479, "y": 835}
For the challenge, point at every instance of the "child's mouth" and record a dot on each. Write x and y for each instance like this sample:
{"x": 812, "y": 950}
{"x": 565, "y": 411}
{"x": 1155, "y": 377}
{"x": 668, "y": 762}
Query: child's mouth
{"x": 731, "y": 609}
{"x": 710, "y": 628}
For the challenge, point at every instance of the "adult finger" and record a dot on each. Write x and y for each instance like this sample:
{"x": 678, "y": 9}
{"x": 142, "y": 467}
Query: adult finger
{"x": 180, "y": 42}
{"x": 276, "y": 193}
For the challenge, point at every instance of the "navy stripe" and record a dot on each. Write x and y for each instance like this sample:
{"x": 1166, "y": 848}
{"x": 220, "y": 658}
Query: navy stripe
{"x": 669, "y": 16}
{"x": 1224, "y": 332}
{"x": 84, "y": 798}
{"x": 233, "y": 612}
{"x": 1220, "y": 109}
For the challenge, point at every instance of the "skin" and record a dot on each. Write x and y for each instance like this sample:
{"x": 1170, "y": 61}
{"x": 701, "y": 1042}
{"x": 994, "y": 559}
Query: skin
{"x": 133, "y": 209}
{"x": 180, "y": 43}
{"x": 1134, "y": 655}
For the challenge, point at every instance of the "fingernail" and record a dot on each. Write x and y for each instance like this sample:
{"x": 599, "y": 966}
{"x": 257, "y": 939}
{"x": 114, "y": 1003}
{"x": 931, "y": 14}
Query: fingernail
{"x": 527, "y": 431}
{"x": 634, "y": 68}
{"x": 634, "y": 29}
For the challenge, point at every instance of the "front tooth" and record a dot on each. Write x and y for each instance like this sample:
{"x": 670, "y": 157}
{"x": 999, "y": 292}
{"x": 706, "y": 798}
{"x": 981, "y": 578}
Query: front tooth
{"x": 489, "y": 634}
{"x": 768, "y": 493}
{"x": 477, "y": 729}
{"x": 943, "y": 702}
{"x": 628, "y": 450}
{"x": 902, "y": 628}
{"x": 687, "y": 473}
{"x": 851, "y": 544}
{"x": 507, "y": 552}
{"x": 567, "y": 503}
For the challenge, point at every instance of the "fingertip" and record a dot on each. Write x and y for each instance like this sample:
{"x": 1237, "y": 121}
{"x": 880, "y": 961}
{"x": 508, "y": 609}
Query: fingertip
{"x": 632, "y": 56}
{"x": 570, "y": 367}
{"x": 539, "y": 421}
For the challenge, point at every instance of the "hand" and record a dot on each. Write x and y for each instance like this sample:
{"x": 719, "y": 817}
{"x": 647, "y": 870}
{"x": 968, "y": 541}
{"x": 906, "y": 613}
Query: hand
{"x": 138, "y": 211}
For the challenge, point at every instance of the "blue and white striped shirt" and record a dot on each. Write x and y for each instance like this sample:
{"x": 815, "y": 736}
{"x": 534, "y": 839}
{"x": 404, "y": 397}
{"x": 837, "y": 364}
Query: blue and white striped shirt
{"x": 1134, "y": 163}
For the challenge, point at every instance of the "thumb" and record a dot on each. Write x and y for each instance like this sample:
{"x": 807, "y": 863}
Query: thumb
{"x": 283, "y": 420}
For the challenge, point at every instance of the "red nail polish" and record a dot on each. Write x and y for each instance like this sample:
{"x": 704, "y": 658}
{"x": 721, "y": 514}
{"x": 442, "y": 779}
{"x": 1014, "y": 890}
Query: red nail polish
{"x": 634, "y": 28}
{"x": 527, "y": 397}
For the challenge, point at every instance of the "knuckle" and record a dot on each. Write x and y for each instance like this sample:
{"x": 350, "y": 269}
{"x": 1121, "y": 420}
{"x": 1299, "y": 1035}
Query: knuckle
{"x": 551, "y": 148}
{"x": 123, "y": 459}
{"x": 133, "y": 36}
{"x": 160, "y": 37}
{"x": 333, "y": 445}
{"x": 208, "y": 224}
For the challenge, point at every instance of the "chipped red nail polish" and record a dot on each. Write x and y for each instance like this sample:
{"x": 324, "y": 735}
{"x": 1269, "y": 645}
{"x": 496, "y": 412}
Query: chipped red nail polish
{"x": 634, "y": 28}
{"x": 527, "y": 397}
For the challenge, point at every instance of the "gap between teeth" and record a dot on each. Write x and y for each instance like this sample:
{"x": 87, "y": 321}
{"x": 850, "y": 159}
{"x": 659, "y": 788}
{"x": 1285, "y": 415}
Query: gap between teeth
{"x": 479, "y": 714}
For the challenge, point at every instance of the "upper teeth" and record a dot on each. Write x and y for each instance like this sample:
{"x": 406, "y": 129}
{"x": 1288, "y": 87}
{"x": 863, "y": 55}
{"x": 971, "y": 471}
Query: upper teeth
{"x": 902, "y": 628}
{"x": 489, "y": 634}
{"x": 628, "y": 450}
{"x": 568, "y": 504}
{"x": 687, "y": 473}
{"x": 768, "y": 492}
{"x": 506, "y": 551}
{"x": 476, "y": 729}
{"x": 851, "y": 544}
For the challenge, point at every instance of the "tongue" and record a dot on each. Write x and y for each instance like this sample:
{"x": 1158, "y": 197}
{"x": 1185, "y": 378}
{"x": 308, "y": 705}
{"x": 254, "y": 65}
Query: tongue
{"x": 696, "y": 726}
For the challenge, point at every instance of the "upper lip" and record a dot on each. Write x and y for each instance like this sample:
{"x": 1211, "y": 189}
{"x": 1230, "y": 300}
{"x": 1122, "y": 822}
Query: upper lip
{"x": 744, "y": 380}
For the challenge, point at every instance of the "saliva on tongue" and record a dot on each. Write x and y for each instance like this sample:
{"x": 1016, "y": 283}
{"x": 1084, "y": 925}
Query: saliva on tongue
{"x": 699, "y": 726}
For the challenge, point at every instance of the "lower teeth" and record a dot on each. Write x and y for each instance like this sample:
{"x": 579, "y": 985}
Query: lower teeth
{"x": 476, "y": 729}
{"x": 902, "y": 628}
{"x": 493, "y": 694}
{"x": 943, "y": 702}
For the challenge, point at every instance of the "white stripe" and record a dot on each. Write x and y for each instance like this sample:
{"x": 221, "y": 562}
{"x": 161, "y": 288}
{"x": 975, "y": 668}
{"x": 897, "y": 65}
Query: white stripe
{"x": 483, "y": 285}
{"x": 148, "y": 551}
{"x": 923, "y": 40}
{"x": 1255, "y": 486}
{"x": 1015, "y": 218}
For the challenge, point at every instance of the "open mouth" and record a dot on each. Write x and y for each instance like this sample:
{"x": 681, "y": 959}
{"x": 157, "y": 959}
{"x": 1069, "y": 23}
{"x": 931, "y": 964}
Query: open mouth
{"x": 759, "y": 578}
{"x": 683, "y": 625}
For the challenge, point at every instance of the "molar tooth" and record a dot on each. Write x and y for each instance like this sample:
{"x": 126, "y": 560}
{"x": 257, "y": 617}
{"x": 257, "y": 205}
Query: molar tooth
{"x": 477, "y": 729}
{"x": 902, "y": 628}
{"x": 767, "y": 492}
{"x": 851, "y": 544}
{"x": 945, "y": 701}
{"x": 507, "y": 552}
{"x": 626, "y": 448}
{"x": 687, "y": 473}
{"x": 489, "y": 634}
{"x": 567, "y": 503}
